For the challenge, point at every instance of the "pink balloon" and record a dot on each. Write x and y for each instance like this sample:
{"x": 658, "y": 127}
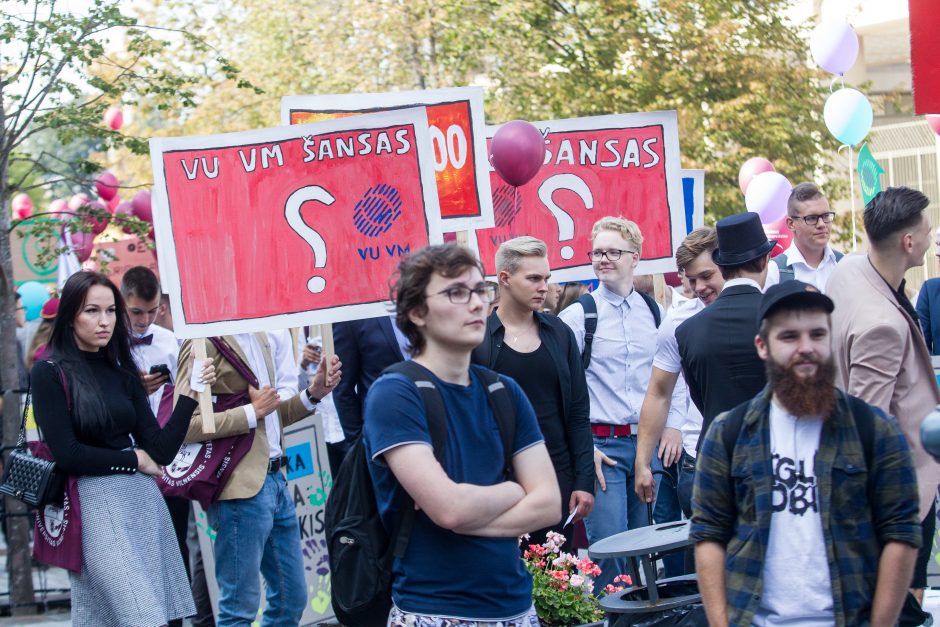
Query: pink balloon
{"x": 781, "y": 232}
{"x": 24, "y": 212}
{"x": 933, "y": 120}
{"x": 58, "y": 206}
{"x": 114, "y": 118}
{"x": 517, "y": 152}
{"x": 113, "y": 203}
{"x": 82, "y": 245}
{"x": 751, "y": 168}
{"x": 142, "y": 206}
{"x": 78, "y": 201}
{"x": 106, "y": 185}
{"x": 767, "y": 195}
{"x": 98, "y": 224}
{"x": 22, "y": 202}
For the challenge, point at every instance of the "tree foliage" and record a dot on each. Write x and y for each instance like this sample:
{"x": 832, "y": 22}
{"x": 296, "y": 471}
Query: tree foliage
{"x": 734, "y": 70}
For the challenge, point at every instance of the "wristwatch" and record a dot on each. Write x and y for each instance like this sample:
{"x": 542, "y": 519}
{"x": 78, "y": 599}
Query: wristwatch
{"x": 310, "y": 397}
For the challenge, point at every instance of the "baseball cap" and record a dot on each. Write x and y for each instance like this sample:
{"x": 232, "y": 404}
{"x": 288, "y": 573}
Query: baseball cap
{"x": 792, "y": 293}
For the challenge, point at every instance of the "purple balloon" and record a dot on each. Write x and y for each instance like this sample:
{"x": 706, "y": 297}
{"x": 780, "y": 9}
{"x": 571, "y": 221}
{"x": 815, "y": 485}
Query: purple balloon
{"x": 82, "y": 245}
{"x": 767, "y": 196}
{"x": 834, "y": 46}
{"x": 142, "y": 206}
{"x": 517, "y": 152}
{"x": 751, "y": 168}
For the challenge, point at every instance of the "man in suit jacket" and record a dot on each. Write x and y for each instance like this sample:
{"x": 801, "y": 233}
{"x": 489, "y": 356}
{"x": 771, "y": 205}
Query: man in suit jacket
{"x": 880, "y": 351}
{"x": 367, "y": 347}
{"x": 254, "y": 517}
{"x": 716, "y": 345}
{"x": 928, "y": 307}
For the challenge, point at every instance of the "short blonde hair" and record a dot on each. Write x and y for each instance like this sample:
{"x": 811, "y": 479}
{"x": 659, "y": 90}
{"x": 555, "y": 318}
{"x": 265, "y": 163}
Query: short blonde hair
{"x": 627, "y": 229}
{"x": 511, "y": 251}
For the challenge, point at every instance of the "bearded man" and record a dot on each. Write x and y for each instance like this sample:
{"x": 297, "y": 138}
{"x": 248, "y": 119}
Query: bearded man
{"x": 800, "y": 492}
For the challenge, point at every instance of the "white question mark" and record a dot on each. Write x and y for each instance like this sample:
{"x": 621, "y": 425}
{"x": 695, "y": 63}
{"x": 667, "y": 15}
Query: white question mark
{"x": 316, "y": 284}
{"x": 565, "y": 224}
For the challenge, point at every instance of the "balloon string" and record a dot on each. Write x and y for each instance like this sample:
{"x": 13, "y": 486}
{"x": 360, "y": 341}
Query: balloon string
{"x": 841, "y": 79}
{"x": 851, "y": 195}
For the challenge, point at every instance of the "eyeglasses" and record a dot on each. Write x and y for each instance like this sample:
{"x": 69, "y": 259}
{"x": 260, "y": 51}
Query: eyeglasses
{"x": 814, "y": 219}
{"x": 460, "y": 294}
{"x": 612, "y": 255}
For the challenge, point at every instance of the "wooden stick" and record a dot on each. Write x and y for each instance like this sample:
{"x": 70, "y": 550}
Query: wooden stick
{"x": 326, "y": 333}
{"x": 463, "y": 237}
{"x": 659, "y": 288}
{"x": 294, "y": 336}
{"x": 205, "y": 397}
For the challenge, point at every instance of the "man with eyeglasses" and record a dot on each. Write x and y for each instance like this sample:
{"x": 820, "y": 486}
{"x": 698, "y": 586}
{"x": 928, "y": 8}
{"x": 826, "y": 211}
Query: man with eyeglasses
{"x": 809, "y": 258}
{"x": 617, "y": 376}
{"x": 462, "y": 566}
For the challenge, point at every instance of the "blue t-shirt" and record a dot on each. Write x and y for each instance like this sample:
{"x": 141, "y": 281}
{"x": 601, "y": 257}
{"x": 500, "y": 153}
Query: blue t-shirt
{"x": 442, "y": 572}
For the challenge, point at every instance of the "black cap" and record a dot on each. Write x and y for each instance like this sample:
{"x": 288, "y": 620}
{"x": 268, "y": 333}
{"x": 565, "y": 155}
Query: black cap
{"x": 792, "y": 293}
{"x": 741, "y": 238}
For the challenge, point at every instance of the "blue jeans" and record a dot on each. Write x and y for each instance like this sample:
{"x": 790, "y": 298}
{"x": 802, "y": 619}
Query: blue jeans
{"x": 667, "y": 510}
{"x": 686, "y": 479}
{"x": 259, "y": 535}
{"x": 618, "y": 508}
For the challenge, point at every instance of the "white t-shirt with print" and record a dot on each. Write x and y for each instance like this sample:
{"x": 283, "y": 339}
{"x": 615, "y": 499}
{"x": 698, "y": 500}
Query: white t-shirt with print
{"x": 797, "y": 587}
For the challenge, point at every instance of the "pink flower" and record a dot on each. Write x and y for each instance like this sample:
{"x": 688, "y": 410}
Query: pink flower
{"x": 560, "y": 575}
{"x": 624, "y": 579}
{"x": 576, "y": 580}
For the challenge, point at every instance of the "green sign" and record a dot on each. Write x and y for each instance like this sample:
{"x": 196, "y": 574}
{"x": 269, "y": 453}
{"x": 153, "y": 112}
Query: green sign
{"x": 869, "y": 174}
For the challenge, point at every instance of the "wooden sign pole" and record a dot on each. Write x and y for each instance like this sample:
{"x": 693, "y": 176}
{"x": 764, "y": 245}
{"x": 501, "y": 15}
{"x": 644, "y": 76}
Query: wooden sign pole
{"x": 205, "y": 397}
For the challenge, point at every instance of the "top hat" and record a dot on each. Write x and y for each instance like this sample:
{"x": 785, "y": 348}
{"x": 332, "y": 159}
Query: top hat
{"x": 793, "y": 293}
{"x": 741, "y": 238}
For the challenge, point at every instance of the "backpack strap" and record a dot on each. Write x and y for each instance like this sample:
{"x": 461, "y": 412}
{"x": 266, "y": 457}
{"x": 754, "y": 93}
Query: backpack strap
{"x": 786, "y": 270}
{"x": 654, "y": 307}
{"x": 590, "y": 326}
{"x": 504, "y": 410}
{"x": 838, "y": 255}
{"x": 733, "y": 424}
{"x": 437, "y": 428}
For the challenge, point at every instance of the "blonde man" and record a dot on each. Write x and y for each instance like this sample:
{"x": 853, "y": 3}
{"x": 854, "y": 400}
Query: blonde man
{"x": 540, "y": 353}
{"x": 617, "y": 376}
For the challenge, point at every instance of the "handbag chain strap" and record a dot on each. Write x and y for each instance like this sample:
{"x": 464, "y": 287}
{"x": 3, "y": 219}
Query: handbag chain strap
{"x": 21, "y": 440}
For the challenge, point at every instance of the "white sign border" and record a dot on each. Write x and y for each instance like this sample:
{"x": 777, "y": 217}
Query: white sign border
{"x": 383, "y": 100}
{"x": 165, "y": 243}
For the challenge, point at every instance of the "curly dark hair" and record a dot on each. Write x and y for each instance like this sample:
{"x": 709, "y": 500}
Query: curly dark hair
{"x": 408, "y": 291}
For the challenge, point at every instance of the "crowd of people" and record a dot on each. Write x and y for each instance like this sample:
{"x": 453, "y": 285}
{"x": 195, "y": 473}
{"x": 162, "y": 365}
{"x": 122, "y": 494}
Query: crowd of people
{"x": 776, "y": 403}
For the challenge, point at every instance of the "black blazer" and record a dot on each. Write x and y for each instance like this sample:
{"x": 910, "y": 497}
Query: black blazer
{"x": 366, "y": 348}
{"x": 719, "y": 360}
{"x": 576, "y": 404}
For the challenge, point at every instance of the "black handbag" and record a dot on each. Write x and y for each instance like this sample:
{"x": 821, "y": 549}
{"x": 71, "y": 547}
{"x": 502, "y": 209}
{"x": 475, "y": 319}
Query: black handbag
{"x": 28, "y": 478}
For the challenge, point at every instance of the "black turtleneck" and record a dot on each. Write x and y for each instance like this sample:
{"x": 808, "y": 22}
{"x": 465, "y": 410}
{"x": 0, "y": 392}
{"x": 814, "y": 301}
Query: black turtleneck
{"x": 134, "y": 425}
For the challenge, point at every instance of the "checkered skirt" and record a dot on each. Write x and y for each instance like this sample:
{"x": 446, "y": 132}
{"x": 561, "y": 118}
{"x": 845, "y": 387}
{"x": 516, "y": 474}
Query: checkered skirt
{"x": 132, "y": 571}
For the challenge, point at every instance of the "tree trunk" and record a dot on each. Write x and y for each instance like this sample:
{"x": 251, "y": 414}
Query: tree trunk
{"x": 19, "y": 557}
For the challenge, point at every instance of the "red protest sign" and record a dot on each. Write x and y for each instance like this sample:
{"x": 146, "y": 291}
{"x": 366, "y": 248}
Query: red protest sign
{"x": 293, "y": 225}
{"x": 620, "y": 165}
{"x": 925, "y": 56}
{"x": 457, "y": 137}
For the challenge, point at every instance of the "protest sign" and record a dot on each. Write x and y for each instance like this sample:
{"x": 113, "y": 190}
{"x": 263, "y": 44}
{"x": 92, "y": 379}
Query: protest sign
{"x": 693, "y": 195}
{"x": 613, "y": 165}
{"x": 120, "y": 255}
{"x": 457, "y": 136}
{"x": 291, "y": 226}
{"x": 25, "y": 251}
{"x": 308, "y": 482}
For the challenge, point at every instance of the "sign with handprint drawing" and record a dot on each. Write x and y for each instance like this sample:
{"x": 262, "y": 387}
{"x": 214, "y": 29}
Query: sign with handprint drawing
{"x": 291, "y": 226}
{"x": 457, "y": 137}
{"x": 308, "y": 482}
{"x": 614, "y": 165}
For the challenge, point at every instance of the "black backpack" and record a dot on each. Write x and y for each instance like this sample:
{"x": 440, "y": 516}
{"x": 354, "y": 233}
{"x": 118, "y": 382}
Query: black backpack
{"x": 590, "y": 321}
{"x": 361, "y": 550}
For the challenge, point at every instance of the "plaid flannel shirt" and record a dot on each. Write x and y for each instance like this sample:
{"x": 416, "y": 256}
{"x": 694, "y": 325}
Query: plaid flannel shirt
{"x": 731, "y": 505}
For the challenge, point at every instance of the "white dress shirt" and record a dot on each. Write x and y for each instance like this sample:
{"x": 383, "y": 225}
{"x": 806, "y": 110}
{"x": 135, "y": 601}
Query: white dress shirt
{"x": 164, "y": 349}
{"x": 332, "y": 429}
{"x": 667, "y": 359}
{"x": 802, "y": 271}
{"x": 285, "y": 374}
{"x": 621, "y": 354}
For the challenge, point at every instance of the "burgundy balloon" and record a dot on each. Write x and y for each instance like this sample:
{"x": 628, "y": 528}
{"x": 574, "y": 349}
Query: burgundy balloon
{"x": 142, "y": 206}
{"x": 98, "y": 224}
{"x": 106, "y": 185}
{"x": 82, "y": 245}
{"x": 517, "y": 152}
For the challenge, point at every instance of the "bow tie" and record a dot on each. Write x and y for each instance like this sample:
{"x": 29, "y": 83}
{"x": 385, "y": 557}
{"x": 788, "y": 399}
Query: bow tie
{"x": 146, "y": 339}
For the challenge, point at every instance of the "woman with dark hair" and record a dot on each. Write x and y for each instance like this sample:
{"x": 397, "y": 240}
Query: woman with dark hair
{"x": 94, "y": 415}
